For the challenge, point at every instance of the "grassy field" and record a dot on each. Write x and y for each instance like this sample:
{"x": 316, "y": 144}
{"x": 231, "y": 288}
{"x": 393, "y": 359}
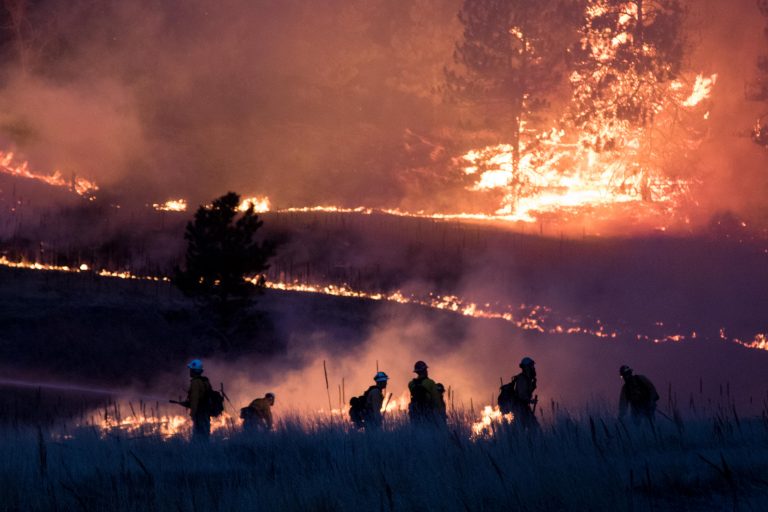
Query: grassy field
{"x": 713, "y": 462}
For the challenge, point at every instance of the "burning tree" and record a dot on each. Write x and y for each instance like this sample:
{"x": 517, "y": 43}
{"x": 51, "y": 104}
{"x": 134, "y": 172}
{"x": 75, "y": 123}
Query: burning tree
{"x": 222, "y": 251}
{"x": 629, "y": 53}
{"x": 624, "y": 71}
{"x": 511, "y": 59}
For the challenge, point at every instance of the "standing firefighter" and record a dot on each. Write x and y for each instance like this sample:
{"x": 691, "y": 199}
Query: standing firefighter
{"x": 258, "y": 414}
{"x": 198, "y": 401}
{"x": 374, "y": 399}
{"x": 425, "y": 406}
{"x": 639, "y": 393}
{"x": 517, "y": 396}
{"x": 365, "y": 410}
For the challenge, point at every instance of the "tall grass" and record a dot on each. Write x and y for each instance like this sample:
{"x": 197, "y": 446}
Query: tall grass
{"x": 589, "y": 462}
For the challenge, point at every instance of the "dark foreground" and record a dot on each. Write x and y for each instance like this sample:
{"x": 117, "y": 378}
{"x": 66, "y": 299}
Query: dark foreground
{"x": 719, "y": 462}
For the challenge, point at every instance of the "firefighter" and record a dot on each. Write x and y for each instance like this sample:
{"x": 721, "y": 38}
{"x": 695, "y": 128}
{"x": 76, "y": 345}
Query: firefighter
{"x": 374, "y": 399}
{"x": 639, "y": 394}
{"x": 198, "y": 401}
{"x": 258, "y": 414}
{"x": 517, "y": 396}
{"x": 425, "y": 397}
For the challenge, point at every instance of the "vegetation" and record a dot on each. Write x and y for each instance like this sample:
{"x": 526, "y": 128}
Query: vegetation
{"x": 576, "y": 463}
{"x": 511, "y": 59}
{"x": 628, "y": 54}
{"x": 222, "y": 251}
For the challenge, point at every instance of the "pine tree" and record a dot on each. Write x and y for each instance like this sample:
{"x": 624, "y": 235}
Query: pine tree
{"x": 222, "y": 251}
{"x": 511, "y": 59}
{"x": 628, "y": 54}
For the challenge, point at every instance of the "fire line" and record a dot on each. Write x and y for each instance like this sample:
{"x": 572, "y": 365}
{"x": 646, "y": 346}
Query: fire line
{"x": 527, "y": 317}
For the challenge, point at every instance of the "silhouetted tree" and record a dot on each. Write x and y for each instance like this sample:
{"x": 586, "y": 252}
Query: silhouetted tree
{"x": 222, "y": 251}
{"x": 511, "y": 59}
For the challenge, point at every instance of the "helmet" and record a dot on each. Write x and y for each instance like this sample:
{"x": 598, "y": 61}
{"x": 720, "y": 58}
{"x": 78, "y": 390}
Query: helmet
{"x": 625, "y": 370}
{"x": 526, "y": 361}
{"x": 420, "y": 366}
{"x": 196, "y": 365}
{"x": 381, "y": 377}
{"x": 270, "y": 395}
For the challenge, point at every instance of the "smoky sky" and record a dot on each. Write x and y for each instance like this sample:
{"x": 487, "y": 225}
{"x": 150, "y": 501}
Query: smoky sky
{"x": 307, "y": 102}
{"x": 301, "y": 100}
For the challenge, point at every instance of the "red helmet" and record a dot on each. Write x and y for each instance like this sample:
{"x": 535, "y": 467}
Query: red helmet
{"x": 420, "y": 366}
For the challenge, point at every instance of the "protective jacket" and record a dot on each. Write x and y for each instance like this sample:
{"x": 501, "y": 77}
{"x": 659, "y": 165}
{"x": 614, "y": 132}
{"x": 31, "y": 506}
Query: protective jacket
{"x": 374, "y": 399}
{"x": 524, "y": 388}
{"x": 639, "y": 394}
{"x": 199, "y": 410}
{"x": 197, "y": 397}
{"x": 257, "y": 414}
{"x": 425, "y": 398}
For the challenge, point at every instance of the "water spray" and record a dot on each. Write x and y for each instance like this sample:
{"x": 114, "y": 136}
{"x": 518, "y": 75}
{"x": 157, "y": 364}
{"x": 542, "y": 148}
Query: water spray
{"x": 77, "y": 388}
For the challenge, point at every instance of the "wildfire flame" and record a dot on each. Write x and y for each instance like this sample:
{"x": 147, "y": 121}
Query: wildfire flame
{"x": 172, "y": 205}
{"x": 260, "y": 204}
{"x": 491, "y": 418}
{"x": 702, "y": 89}
{"x": 81, "y": 186}
{"x": 558, "y": 174}
{"x": 163, "y": 425}
{"x": 524, "y": 316}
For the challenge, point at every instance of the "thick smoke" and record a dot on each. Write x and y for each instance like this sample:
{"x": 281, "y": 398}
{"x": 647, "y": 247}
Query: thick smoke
{"x": 310, "y": 103}
{"x": 306, "y": 102}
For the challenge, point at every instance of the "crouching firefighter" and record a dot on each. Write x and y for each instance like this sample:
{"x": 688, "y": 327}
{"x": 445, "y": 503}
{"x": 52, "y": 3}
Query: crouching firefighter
{"x": 258, "y": 414}
{"x": 517, "y": 396}
{"x": 202, "y": 401}
{"x": 365, "y": 410}
{"x": 639, "y": 394}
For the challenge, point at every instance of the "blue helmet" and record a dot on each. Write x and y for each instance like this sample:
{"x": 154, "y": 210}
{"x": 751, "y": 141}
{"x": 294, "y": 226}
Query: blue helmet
{"x": 381, "y": 377}
{"x": 527, "y": 361}
{"x": 196, "y": 365}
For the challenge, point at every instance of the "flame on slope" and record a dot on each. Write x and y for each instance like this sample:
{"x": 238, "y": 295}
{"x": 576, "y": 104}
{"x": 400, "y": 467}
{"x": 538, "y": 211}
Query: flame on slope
{"x": 559, "y": 174}
{"x": 172, "y": 205}
{"x": 524, "y": 316}
{"x": 260, "y": 204}
{"x": 81, "y": 186}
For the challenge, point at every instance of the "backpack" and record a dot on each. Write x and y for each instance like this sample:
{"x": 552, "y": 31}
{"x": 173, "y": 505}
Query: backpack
{"x": 215, "y": 401}
{"x": 507, "y": 396}
{"x": 357, "y": 409}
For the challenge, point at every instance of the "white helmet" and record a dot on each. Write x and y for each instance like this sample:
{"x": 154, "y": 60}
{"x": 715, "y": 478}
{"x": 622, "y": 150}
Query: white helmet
{"x": 196, "y": 365}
